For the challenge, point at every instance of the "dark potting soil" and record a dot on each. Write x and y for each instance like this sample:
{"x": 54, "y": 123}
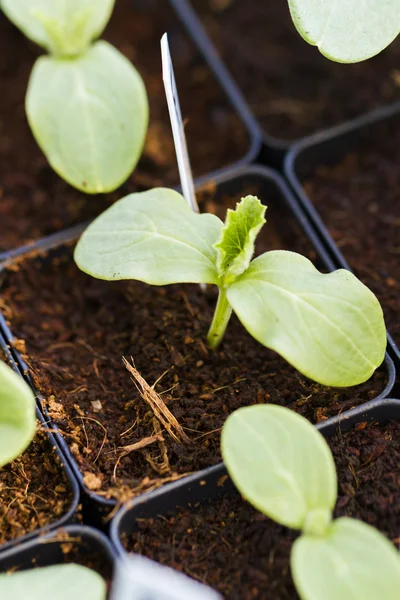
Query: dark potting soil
{"x": 230, "y": 546}
{"x": 34, "y": 491}
{"x": 292, "y": 89}
{"x": 34, "y": 201}
{"x": 74, "y": 331}
{"x": 358, "y": 199}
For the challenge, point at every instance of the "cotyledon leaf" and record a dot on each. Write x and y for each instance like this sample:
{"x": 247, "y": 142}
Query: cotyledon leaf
{"x": 347, "y": 30}
{"x": 281, "y": 464}
{"x": 63, "y": 27}
{"x": 352, "y": 562}
{"x": 61, "y": 582}
{"x": 89, "y": 115}
{"x": 153, "y": 237}
{"x": 17, "y": 415}
{"x": 328, "y": 326}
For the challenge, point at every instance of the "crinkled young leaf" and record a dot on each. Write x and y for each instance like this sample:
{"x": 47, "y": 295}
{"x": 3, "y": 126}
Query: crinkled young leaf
{"x": 153, "y": 237}
{"x": 354, "y": 562}
{"x": 62, "y": 27}
{"x": 17, "y": 415}
{"x": 236, "y": 244}
{"x": 89, "y": 115}
{"x": 347, "y": 31}
{"x": 281, "y": 464}
{"x": 61, "y": 582}
{"x": 329, "y": 327}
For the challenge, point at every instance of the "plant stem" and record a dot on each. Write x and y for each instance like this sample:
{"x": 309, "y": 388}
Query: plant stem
{"x": 220, "y": 320}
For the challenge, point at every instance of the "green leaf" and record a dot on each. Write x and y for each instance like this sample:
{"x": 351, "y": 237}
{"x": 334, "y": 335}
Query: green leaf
{"x": 62, "y": 582}
{"x": 281, "y": 464}
{"x": 347, "y": 31}
{"x": 153, "y": 237}
{"x": 236, "y": 244}
{"x": 89, "y": 115}
{"x": 329, "y": 327}
{"x": 63, "y": 27}
{"x": 17, "y": 415}
{"x": 354, "y": 562}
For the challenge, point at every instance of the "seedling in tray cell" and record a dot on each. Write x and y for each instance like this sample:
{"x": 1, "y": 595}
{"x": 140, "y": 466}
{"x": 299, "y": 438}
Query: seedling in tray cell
{"x": 86, "y": 103}
{"x": 329, "y": 326}
{"x": 347, "y": 31}
{"x": 283, "y": 466}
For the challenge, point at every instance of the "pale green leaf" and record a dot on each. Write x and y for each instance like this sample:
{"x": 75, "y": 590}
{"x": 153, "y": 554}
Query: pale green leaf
{"x": 281, "y": 464}
{"x": 61, "y": 582}
{"x": 329, "y": 327}
{"x": 17, "y": 415}
{"x": 64, "y": 27}
{"x": 236, "y": 244}
{"x": 89, "y": 115}
{"x": 153, "y": 237}
{"x": 354, "y": 562}
{"x": 347, "y": 31}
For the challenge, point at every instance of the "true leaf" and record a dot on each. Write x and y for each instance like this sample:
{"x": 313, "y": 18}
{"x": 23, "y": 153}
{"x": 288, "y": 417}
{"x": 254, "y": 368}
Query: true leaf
{"x": 236, "y": 244}
{"x": 153, "y": 237}
{"x": 328, "y": 326}
{"x": 89, "y": 116}
{"x": 62, "y": 582}
{"x": 353, "y": 562}
{"x": 17, "y": 415}
{"x": 63, "y": 27}
{"x": 347, "y": 30}
{"x": 281, "y": 464}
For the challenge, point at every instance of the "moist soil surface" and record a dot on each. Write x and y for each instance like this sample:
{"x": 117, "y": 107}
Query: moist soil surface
{"x": 230, "y": 546}
{"x": 292, "y": 89}
{"x": 74, "y": 330}
{"x": 358, "y": 199}
{"x": 34, "y": 491}
{"x": 34, "y": 201}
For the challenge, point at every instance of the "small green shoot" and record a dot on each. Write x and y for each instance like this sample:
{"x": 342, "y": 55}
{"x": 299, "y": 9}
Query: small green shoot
{"x": 283, "y": 466}
{"x": 17, "y": 415}
{"x": 86, "y": 103}
{"x": 347, "y": 31}
{"x": 64, "y": 582}
{"x": 330, "y": 327}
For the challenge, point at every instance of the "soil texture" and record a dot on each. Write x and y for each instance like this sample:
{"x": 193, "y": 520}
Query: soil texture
{"x": 74, "y": 330}
{"x": 34, "y": 491}
{"x": 292, "y": 89}
{"x": 358, "y": 200}
{"x": 34, "y": 201}
{"x": 233, "y": 548}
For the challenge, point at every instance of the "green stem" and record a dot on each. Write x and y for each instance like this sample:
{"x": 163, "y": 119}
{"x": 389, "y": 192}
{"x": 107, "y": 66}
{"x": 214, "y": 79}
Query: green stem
{"x": 220, "y": 320}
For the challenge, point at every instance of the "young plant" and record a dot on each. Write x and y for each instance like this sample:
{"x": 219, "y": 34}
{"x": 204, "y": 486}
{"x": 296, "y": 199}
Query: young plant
{"x": 86, "y": 103}
{"x": 17, "y": 415}
{"x": 283, "y": 466}
{"x": 330, "y": 327}
{"x": 64, "y": 582}
{"x": 347, "y": 31}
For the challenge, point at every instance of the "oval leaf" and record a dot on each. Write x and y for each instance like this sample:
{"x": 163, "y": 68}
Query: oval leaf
{"x": 63, "y": 28}
{"x": 63, "y": 582}
{"x": 347, "y": 31}
{"x": 330, "y": 327}
{"x": 17, "y": 415}
{"x": 153, "y": 237}
{"x": 89, "y": 115}
{"x": 353, "y": 562}
{"x": 280, "y": 463}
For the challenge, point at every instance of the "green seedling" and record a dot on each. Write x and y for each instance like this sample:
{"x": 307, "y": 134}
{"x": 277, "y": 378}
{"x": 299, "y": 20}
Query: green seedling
{"x": 347, "y": 31}
{"x": 64, "y": 582}
{"x": 17, "y": 415}
{"x": 86, "y": 103}
{"x": 283, "y": 466}
{"x": 329, "y": 326}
